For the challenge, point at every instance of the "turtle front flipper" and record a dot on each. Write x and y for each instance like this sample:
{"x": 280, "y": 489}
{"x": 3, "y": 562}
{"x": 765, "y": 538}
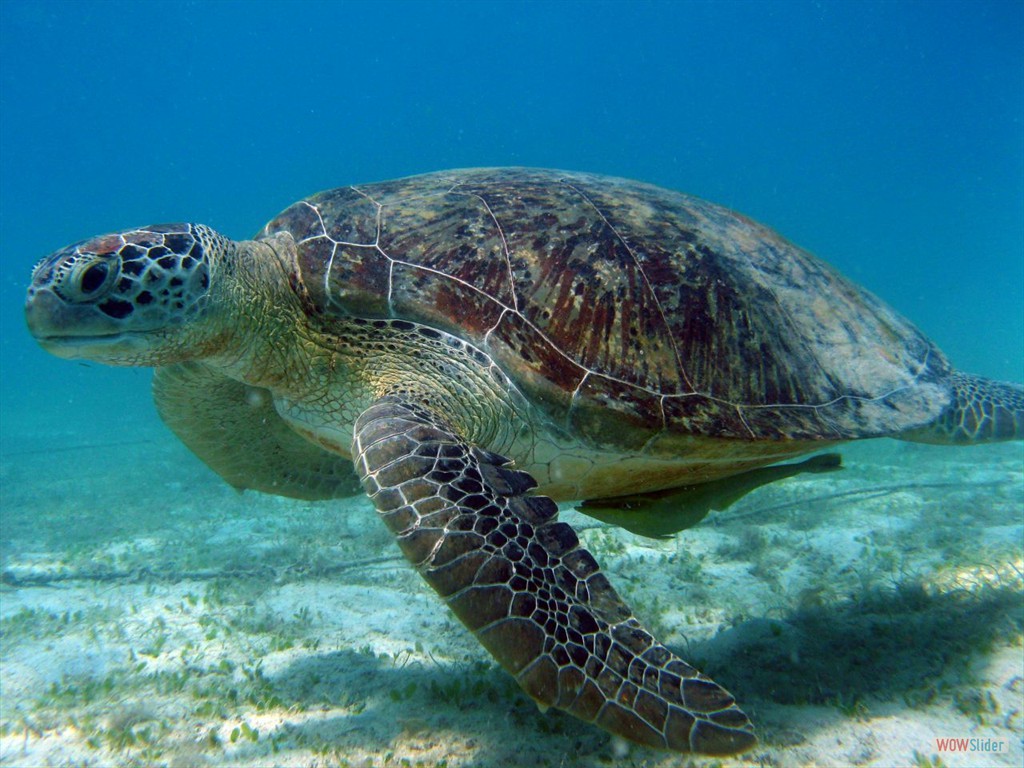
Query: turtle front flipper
{"x": 534, "y": 597}
{"x": 235, "y": 429}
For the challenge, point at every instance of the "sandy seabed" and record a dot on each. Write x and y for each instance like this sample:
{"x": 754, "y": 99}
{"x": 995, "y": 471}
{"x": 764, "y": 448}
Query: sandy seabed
{"x": 150, "y": 615}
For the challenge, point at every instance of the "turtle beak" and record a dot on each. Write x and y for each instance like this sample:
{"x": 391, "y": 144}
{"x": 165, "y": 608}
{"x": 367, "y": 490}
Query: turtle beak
{"x": 64, "y": 329}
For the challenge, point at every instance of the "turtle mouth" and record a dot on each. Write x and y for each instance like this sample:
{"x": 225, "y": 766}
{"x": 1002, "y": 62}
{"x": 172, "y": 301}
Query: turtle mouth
{"x": 79, "y": 345}
{"x": 61, "y": 339}
{"x": 115, "y": 348}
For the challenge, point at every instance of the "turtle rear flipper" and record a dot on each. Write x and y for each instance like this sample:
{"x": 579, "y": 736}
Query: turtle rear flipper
{"x": 662, "y": 514}
{"x": 536, "y": 599}
{"x": 981, "y": 411}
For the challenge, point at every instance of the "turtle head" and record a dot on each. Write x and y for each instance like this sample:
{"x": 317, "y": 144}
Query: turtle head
{"x": 137, "y": 297}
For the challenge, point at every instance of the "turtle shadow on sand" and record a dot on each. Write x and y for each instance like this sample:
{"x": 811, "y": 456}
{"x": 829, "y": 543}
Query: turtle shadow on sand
{"x": 898, "y": 643}
{"x": 884, "y": 644}
{"x": 469, "y": 704}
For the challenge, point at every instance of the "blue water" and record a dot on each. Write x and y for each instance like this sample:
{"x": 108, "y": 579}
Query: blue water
{"x": 886, "y": 137}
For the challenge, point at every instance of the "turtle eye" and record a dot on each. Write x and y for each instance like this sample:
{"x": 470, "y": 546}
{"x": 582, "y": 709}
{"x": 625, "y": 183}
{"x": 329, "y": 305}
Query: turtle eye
{"x": 93, "y": 278}
{"x": 89, "y": 279}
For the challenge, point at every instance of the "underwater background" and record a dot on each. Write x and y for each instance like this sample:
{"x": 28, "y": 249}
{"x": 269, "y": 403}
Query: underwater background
{"x": 885, "y": 137}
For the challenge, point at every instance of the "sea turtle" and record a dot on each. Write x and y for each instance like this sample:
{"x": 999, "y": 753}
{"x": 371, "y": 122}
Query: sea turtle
{"x": 482, "y": 343}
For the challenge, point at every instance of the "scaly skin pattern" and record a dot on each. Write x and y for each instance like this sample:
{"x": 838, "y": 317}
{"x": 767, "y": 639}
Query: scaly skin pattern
{"x": 531, "y": 594}
{"x": 153, "y": 281}
{"x": 351, "y": 362}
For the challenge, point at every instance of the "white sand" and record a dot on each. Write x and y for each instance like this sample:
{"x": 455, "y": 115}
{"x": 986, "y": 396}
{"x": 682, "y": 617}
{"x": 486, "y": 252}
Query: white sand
{"x": 858, "y": 617}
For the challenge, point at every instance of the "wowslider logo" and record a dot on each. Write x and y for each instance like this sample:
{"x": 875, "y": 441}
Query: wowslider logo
{"x": 972, "y": 745}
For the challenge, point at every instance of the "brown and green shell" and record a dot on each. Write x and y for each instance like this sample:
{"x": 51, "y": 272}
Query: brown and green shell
{"x": 620, "y": 308}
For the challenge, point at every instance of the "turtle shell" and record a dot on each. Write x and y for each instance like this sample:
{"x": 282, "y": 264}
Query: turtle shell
{"x": 623, "y": 311}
